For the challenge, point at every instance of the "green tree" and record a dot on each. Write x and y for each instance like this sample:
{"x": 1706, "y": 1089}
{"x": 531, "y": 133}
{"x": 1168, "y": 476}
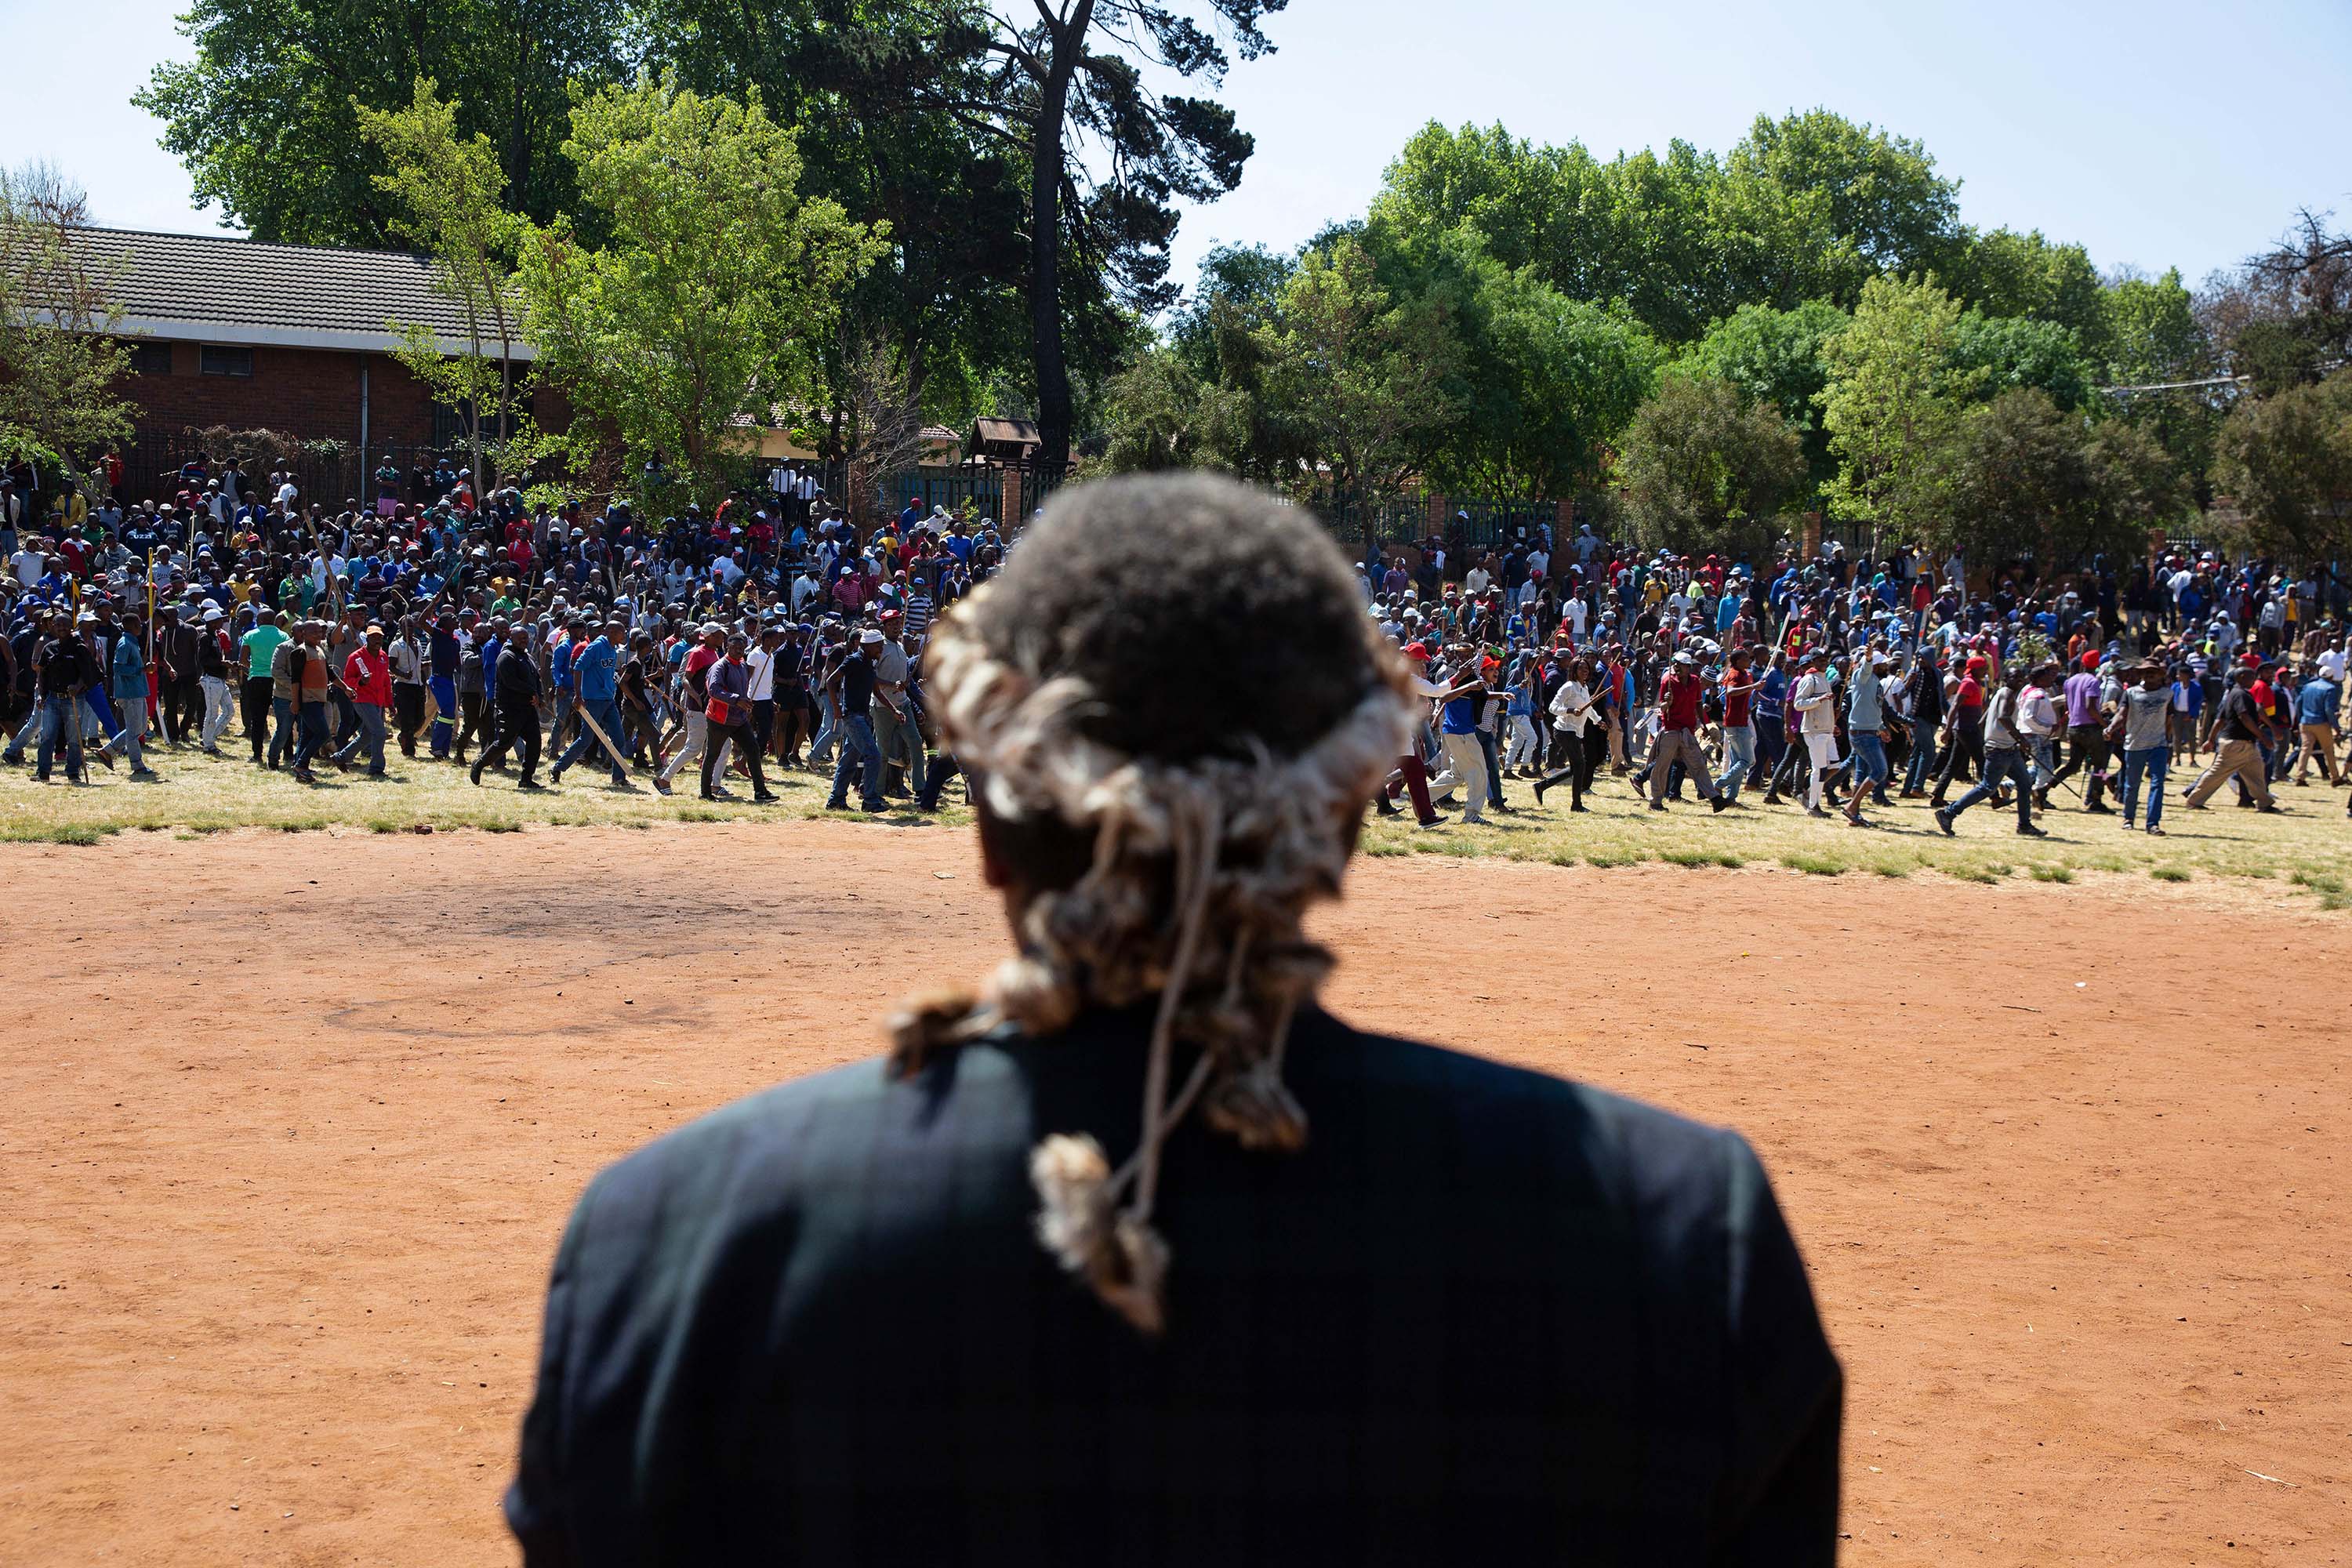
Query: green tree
{"x": 877, "y": 98}
{"x": 1159, "y": 415}
{"x": 2018, "y": 351}
{"x": 445, "y": 190}
{"x": 1705, "y": 467}
{"x": 2031, "y": 479}
{"x": 59, "y": 362}
{"x": 2154, "y": 340}
{"x": 1776, "y": 358}
{"x": 2285, "y": 462}
{"x": 1075, "y": 93}
{"x": 1359, "y": 379}
{"x": 706, "y": 308}
{"x": 1544, "y": 383}
{"x": 1892, "y": 407}
{"x": 1813, "y": 205}
{"x": 262, "y": 115}
{"x": 2005, "y": 273}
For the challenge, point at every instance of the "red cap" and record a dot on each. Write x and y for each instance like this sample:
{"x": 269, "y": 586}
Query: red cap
{"x": 2091, "y": 662}
{"x": 1416, "y": 650}
{"x": 1976, "y": 663}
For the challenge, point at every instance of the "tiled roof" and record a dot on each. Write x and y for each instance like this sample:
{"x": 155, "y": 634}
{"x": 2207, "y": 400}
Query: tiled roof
{"x": 223, "y": 289}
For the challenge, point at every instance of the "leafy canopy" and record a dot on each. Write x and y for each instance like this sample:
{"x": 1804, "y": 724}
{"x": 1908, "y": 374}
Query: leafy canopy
{"x": 704, "y": 310}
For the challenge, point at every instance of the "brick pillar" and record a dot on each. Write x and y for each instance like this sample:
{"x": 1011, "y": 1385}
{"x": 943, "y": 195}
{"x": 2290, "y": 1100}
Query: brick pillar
{"x": 1011, "y": 502}
{"x": 1563, "y": 524}
{"x": 1813, "y": 535}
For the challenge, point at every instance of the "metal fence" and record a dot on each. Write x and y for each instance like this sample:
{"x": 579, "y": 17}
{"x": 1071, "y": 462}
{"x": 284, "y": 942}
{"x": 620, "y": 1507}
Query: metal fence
{"x": 328, "y": 475}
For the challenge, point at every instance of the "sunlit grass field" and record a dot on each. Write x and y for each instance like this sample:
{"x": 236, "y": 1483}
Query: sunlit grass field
{"x": 2306, "y": 856}
{"x": 195, "y": 793}
{"x": 2306, "y": 853}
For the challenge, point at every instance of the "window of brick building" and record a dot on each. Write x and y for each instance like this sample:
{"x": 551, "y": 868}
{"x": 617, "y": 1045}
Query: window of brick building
{"x": 151, "y": 359}
{"x": 215, "y": 360}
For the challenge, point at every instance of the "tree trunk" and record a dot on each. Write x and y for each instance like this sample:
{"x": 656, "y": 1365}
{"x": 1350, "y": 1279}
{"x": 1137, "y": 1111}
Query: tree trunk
{"x": 1054, "y": 413}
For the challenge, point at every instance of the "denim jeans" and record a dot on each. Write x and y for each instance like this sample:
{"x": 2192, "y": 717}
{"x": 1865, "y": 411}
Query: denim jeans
{"x": 2001, "y": 763}
{"x": 1739, "y": 757}
{"x": 2151, "y": 763}
{"x": 1493, "y": 757}
{"x": 61, "y": 718}
{"x": 133, "y": 731}
{"x": 859, "y": 753}
{"x": 1922, "y": 765}
{"x": 1869, "y": 759}
{"x": 281, "y": 733}
{"x": 585, "y": 743}
{"x": 373, "y": 731}
{"x": 314, "y": 733}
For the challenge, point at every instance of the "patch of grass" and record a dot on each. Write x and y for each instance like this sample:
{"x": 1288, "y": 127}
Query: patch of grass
{"x": 383, "y": 825}
{"x": 1974, "y": 873}
{"x": 2048, "y": 873}
{"x": 698, "y": 813}
{"x": 501, "y": 825}
{"x": 1688, "y": 856}
{"x": 1605, "y": 858}
{"x": 2333, "y": 893}
{"x": 1385, "y": 851}
{"x": 1814, "y": 865}
{"x": 2168, "y": 873}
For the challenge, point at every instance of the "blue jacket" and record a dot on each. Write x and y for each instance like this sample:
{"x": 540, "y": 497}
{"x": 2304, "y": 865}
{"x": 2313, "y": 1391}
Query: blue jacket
{"x": 129, "y": 682}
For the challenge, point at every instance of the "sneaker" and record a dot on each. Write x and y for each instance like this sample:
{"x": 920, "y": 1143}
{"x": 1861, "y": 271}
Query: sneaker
{"x": 2154, "y": 831}
{"x": 144, "y": 773}
{"x": 2027, "y": 830}
{"x": 1434, "y": 820}
{"x": 1657, "y": 805}
{"x": 1944, "y": 821}
{"x": 1716, "y": 804}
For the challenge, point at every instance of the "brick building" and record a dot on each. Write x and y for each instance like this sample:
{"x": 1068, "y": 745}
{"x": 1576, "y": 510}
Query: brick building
{"x": 289, "y": 338}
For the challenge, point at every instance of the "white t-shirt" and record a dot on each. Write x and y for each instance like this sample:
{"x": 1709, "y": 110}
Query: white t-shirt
{"x": 1576, "y": 614}
{"x": 762, "y": 663}
{"x": 2331, "y": 664}
{"x": 27, "y": 563}
{"x": 1474, "y": 581}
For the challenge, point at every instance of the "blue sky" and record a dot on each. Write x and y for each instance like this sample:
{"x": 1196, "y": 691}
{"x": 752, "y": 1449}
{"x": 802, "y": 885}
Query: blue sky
{"x": 2160, "y": 133}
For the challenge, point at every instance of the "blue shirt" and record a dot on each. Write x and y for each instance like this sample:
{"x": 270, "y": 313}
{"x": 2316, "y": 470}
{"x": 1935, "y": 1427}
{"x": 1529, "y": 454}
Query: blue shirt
{"x": 2316, "y": 703}
{"x": 1771, "y": 692}
{"x": 597, "y": 668}
{"x": 559, "y": 666}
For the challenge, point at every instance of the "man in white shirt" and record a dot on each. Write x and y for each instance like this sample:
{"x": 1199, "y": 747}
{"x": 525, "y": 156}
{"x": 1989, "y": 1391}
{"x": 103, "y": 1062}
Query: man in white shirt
{"x": 1815, "y": 700}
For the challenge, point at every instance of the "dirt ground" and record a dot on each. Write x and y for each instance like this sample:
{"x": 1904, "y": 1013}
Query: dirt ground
{"x": 288, "y": 1125}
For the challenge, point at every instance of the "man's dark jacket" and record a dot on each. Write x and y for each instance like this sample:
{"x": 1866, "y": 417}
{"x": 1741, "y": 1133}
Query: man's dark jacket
{"x": 1484, "y": 1316}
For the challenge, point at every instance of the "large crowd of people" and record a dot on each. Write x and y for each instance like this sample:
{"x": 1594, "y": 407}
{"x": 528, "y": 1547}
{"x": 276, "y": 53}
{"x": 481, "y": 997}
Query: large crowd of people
{"x": 1848, "y": 685}
{"x": 779, "y": 632}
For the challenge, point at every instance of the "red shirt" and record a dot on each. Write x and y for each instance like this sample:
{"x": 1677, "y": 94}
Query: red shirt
{"x": 1678, "y": 696}
{"x": 1734, "y": 700}
{"x": 1972, "y": 694}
